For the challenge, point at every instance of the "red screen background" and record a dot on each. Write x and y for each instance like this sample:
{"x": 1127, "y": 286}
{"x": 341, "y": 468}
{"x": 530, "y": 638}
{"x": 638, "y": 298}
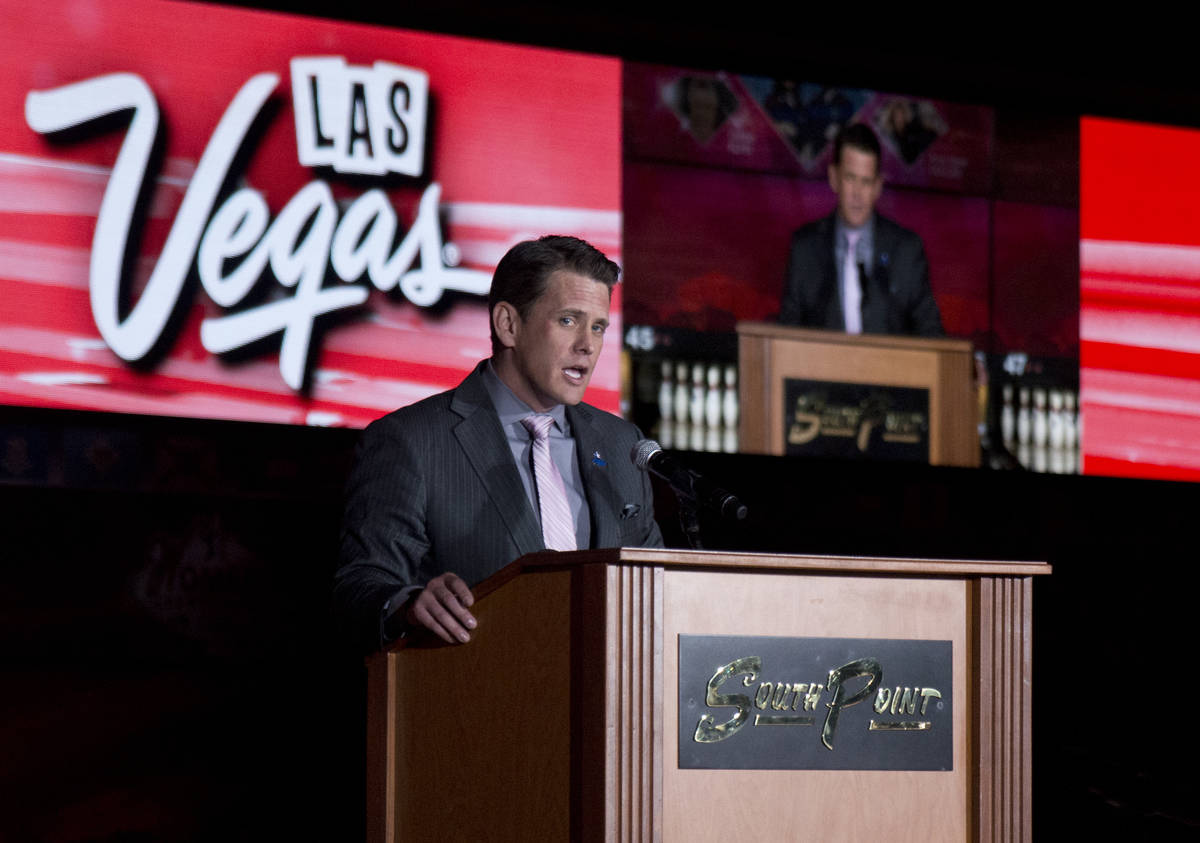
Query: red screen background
{"x": 1140, "y": 299}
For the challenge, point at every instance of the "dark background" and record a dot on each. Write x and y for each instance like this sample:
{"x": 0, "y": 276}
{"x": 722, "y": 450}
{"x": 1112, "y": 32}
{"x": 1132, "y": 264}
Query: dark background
{"x": 169, "y": 667}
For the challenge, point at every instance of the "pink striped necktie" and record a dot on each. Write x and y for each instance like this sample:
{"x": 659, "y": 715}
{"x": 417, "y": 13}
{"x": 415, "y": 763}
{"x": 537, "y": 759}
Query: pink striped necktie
{"x": 558, "y": 527}
{"x": 851, "y": 285}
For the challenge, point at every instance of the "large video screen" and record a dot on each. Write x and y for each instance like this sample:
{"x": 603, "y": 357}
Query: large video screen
{"x": 273, "y": 218}
{"x": 720, "y": 170}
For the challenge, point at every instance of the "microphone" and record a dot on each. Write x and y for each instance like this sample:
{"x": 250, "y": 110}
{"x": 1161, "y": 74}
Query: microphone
{"x": 648, "y": 456}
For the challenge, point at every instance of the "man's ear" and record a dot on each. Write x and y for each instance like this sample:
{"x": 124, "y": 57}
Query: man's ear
{"x": 506, "y": 322}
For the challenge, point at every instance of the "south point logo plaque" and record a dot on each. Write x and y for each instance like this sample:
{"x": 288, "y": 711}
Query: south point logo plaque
{"x": 855, "y": 421}
{"x": 760, "y": 703}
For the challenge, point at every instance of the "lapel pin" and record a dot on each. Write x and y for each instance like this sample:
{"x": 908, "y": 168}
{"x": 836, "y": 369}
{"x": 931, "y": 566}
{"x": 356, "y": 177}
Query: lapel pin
{"x": 597, "y": 459}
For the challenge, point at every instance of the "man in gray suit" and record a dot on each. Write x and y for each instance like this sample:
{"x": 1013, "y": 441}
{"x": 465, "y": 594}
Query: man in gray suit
{"x": 444, "y": 492}
{"x": 855, "y": 270}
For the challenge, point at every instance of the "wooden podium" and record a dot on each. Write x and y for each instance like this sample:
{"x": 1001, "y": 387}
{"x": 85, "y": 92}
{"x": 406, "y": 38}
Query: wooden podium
{"x": 769, "y": 354}
{"x": 559, "y": 720}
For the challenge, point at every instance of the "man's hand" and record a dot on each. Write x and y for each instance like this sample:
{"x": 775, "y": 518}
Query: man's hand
{"x": 441, "y": 607}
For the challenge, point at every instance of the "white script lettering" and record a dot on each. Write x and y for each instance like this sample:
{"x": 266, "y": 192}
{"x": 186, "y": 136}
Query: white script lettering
{"x": 300, "y": 245}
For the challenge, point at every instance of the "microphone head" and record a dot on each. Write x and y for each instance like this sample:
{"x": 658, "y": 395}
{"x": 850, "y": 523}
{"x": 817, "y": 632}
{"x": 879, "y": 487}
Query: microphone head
{"x": 643, "y": 451}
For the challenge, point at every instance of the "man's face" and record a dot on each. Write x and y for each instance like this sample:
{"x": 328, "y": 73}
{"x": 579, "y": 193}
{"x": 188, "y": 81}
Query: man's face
{"x": 554, "y": 350}
{"x": 857, "y": 183}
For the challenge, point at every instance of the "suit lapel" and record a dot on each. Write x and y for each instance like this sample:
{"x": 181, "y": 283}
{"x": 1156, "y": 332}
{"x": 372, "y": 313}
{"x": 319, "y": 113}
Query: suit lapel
{"x": 831, "y": 293}
{"x": 480, "y": 436}
{"x": 885, "y": 242}
{"x": 597, "y": 483}
{"x": 875, "y": 319}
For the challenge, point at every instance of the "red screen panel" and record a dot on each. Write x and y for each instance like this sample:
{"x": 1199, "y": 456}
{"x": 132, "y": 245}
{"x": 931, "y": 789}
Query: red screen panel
{"x": 1139, "y": 299}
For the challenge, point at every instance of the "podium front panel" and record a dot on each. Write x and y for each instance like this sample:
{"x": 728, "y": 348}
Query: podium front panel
{"x": 832, "y": 804}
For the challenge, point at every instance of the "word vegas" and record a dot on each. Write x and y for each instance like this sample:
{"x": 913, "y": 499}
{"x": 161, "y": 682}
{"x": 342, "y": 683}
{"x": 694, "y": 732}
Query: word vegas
{"x": 367, "y": 121}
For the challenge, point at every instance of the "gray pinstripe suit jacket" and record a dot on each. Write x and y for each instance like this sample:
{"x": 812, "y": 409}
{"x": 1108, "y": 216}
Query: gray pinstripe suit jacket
{"x": 434, "y": 489}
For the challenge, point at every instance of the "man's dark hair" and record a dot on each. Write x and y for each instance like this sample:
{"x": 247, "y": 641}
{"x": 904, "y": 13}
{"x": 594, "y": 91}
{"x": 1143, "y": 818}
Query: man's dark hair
{"x": 524, "y": 271}
{"x": 860, "y": 137}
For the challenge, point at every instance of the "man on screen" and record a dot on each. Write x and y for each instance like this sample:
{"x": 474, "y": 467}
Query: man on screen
{"x": 854, "y": 270}
{"x": 449, "y": 490}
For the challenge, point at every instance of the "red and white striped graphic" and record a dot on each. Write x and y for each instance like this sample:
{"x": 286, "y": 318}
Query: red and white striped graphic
{"x": 1140, "y": 300}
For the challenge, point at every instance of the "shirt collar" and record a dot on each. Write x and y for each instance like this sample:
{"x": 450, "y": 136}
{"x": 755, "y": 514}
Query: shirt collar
{"x": 867, "y": 229}
{"x": 512, "y": 409}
